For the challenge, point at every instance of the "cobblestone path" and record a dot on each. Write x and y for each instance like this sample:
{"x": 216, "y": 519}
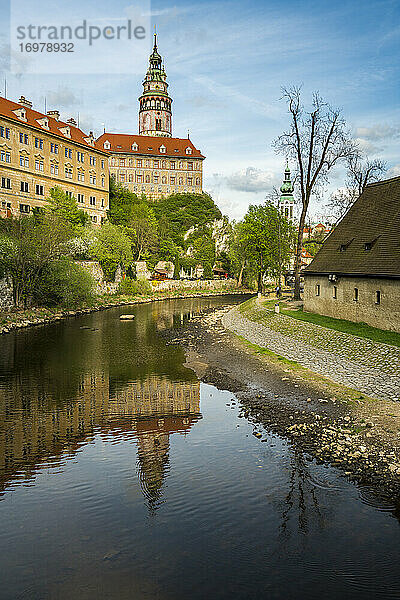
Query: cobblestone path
{"x": 370, "y": 367}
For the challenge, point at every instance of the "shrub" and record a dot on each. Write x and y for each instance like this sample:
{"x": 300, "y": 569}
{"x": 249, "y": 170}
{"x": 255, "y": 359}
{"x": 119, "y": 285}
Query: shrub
{"x": 66, "y": 284}
{"x": 134, "y": 287}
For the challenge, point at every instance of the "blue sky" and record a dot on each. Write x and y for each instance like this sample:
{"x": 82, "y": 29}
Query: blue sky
{"x": 226, "y": 62}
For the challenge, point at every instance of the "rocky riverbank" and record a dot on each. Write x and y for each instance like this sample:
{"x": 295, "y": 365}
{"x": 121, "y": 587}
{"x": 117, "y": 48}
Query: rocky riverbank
{"x": 330, "y": 422}
{"x": 18, "y": 319}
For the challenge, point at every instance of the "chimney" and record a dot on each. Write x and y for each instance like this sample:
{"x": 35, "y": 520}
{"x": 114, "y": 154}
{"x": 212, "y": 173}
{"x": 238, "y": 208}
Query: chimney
{"x": 24, "y": 102}
{"x": 72, "y": 121}
{"x": 54, "y": 113}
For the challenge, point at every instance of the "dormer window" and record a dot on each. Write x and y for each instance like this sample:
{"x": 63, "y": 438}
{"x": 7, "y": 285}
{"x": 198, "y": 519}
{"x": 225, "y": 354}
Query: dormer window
{"x": 106, "y": 145}
{"x": 44, "y": 122}
{"x": 188, "y": 150}
{"x": 163, "y": 149}
{"x": 66, "y": 131}
{"x": 343, "y": 247}
{"x": 369, "y": 245}
{"x": 134, "y": 146}
{"x": 21, "y": 113}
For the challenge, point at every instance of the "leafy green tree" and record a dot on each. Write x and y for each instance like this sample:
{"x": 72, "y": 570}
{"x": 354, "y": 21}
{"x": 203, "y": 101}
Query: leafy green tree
{"x": 267, "y": 239}
{"x": 238, "y": 252}
{"x": 66, "y": 207}
{"x": 28, "y": 247}
{"x": 122, "y": 202}
{"x": 64, "y": 283}
{"x": 204, "y": 253}
{"x": 142, "y": 230}
{"x": 112, "y": 248}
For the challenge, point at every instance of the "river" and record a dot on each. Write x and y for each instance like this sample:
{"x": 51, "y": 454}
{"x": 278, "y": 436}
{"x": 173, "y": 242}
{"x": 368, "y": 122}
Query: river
{"x": 123, "y": 476}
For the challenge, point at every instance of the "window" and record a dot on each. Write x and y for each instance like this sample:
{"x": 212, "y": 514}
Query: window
{"x": 24, "y": 161}
{"x": 377, "y": 297}
{"x": 93, "y": 179}
{"x": 6, "y": 183}
{"x": 92, "y": 160}
{"x": 121, "y": 162}
{"x": 106, "y": 145}
{"x": 163, "y": 149}
{"x": 92, "y": 200}
{"x": 80, "y": 156}
{"x": 80, "y": 198}
{"x": 188, "y": 150}
{"x": 131, "y": 162}
{"x": 102, "y": 203}
{"x": 164, "y": 179}
{"x": 334, "y": 292}
{"x": 139, "y": 162}
{"x": 367, "y": 246}
{"x": 68, "y": 153}
{"x": 147, "y": 163}
{"x": 81, "y": 176}
{"x": 180, "y": 180}
{"x": 131, "y": 177}
{"x": 172, "y": 164}
{"x": 122, "y": 177}
{"x": 155, "y": 164}
{"x": 172, "y": 180}
{"x": 103, "y": 182}
{"x": 190, "y": 166}
{"x": 198, "y": 183}
{"x": 24, "y": 186}
{"x": 139, "y": 178}
{"x": 94, "y": 218}
{"x": 24, "y": 208}
{"x": 68, "y": 172}
{"x": 190, "y": 181}
{"x": 134, "y": 146}
{"x": 23, "y": 138}
{"x": 102, "y": 163}
{"x": 355, "y": 294}
{"x": 54, "y": 148}
{"x": 158, "y": 124}
{"x": 38, "y": 143}
{"x": 38, "y": 164}
{"x": 69, "y": 194}
{"x": 317, "y": 289}
{"x": 155, "y": 178}
{"x": 5, "y": 156}
{"x": 54, "y": 169}
{"x": 4, "y": 132}
{"x": 39, "y": 189}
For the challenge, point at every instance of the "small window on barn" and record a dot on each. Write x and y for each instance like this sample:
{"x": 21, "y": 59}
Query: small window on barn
{"x": 335, "y": 292}
{"x": 317, "y": 289}
{"x": 355, "y": 294}
{"x": 377, "y": 297}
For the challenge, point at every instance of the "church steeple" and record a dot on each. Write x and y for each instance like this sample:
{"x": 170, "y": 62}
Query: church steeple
{"x": 155, "y": 116}
{"x": 286, "y": 201}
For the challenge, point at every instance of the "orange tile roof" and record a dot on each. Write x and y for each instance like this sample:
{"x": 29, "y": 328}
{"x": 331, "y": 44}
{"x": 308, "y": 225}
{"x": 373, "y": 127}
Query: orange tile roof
{"x": 77, "y": 135}
{"x": 122, "y": 142}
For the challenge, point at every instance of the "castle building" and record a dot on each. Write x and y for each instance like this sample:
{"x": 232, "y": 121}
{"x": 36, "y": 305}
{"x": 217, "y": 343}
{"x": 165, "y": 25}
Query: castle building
{"x": 153, "y": 162}
{"x": 39, "y": 151}
{"x": 286, "y": 201}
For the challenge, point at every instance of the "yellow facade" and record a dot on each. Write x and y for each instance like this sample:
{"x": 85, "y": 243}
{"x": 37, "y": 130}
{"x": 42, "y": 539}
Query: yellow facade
{"x": 157, "y": 177}
{"x": 34, "y": 159}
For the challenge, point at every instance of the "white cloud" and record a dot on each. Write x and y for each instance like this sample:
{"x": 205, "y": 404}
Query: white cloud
{"x": 63, "y": 96}
{"x": 378, "y": 132}
{"x": 251, "y": 180}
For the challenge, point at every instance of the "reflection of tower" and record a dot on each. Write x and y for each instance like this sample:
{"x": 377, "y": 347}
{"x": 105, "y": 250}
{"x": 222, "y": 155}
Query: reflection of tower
{"x": 160, "y": 408}
{"x": 155, "y": 116}
{"x": 286, "y": 202}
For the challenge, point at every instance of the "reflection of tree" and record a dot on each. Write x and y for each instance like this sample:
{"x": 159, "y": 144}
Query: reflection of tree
{"x": 301, "y": 501}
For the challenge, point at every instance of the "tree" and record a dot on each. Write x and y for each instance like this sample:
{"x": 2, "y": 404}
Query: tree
{"x": 317, "y": 139}
{"x": 204, "y": 253}
{"x": 66, "y": 207}
{"x": 360, "y": 172}
{"x": 142, "y": 229}
{"x": 28, "y": 247}
{"x": 266, "y": 237}
{"x": 122, "y": 202}
{"x": 112, "y": 248}
{"x": 238, "y": 251}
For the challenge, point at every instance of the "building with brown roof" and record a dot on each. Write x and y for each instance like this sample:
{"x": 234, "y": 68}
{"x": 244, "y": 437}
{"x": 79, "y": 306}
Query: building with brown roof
{"x": 153, "y": 162}
{"x": 39, "y": 151}
{"x": 356, "y": 274}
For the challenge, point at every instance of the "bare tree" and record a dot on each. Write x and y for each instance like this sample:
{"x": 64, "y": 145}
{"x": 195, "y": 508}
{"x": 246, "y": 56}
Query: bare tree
{"x": 317, "y": 140}
{"x": 360, "y": 172}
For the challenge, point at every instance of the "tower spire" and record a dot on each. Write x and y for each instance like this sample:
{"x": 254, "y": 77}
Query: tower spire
{"x": 286, "y": 201}
{"x": 155, "y": 116}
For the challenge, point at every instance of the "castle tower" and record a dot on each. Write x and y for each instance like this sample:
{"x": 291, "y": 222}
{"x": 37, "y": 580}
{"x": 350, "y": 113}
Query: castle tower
{"x": 286, "y": 201}
{"x": 155, "y": 116}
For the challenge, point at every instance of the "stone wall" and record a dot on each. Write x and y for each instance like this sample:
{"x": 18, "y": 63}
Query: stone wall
{"x": 200, "y": 284}
{"x": 6, "y": 299}
{"x": 102, "y": 287}
{"x": 365, "y": 309}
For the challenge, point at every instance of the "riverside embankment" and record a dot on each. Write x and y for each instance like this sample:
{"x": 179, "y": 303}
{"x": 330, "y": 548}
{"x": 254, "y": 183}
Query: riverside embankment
{"x": 18, "y": 319}
{"x": 290, "y": 395}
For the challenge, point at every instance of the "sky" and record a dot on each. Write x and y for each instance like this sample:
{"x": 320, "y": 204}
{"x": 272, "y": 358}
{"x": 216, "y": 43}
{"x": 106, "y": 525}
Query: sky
{"x": 226, "y": 63}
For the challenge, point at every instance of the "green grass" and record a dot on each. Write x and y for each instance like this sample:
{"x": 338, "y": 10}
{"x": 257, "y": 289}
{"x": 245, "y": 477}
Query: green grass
{"x": 359, "y": 329}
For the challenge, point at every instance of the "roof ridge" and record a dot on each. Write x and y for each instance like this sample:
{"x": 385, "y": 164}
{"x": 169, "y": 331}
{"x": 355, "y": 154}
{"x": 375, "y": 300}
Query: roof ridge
{"x": 383, "y": 181}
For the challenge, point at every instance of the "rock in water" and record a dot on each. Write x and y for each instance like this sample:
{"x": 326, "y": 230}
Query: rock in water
{"x": 126, "y": 317}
